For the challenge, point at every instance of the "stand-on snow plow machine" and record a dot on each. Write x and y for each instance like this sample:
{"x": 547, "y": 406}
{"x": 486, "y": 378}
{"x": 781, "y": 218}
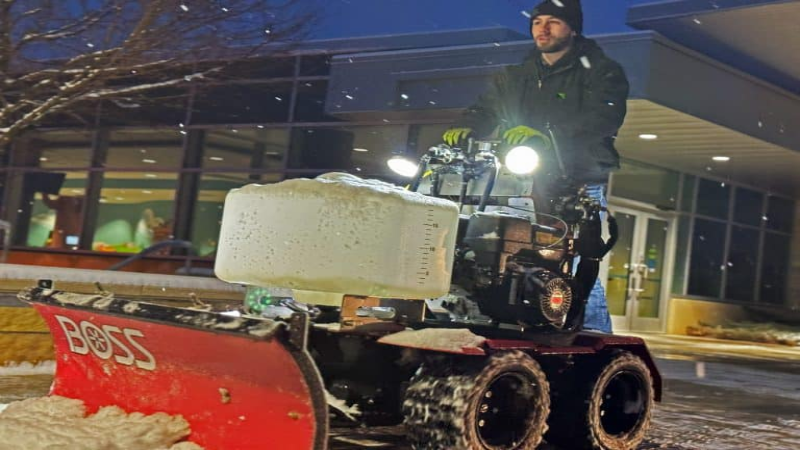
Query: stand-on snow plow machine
{"x": 458, "y": 313}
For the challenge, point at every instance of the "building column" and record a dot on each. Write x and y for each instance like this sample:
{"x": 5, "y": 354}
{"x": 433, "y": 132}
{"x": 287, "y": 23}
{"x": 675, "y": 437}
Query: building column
{"x": 188, "y": 185}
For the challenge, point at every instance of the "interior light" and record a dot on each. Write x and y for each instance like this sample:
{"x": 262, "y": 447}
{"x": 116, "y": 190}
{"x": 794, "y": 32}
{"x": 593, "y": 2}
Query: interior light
{"x": 721, "y": 158}
{"x": 216, "y": 158}
{"x": 363, "y": 150}
{"x": 150, "y": 175}
{"x": 522, "y": 160}
{"x": 403, "y": 166}
{"x": 648, "y": 136}
{"x": 43, "y": 159}
{"x": 149, "y": 161}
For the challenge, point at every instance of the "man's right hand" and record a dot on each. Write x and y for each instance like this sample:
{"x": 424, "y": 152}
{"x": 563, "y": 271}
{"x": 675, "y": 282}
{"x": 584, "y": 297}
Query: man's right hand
{"x": 454, "y": 135}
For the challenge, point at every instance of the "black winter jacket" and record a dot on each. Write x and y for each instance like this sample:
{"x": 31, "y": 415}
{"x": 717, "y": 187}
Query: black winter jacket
{"x": 582, "y": 98}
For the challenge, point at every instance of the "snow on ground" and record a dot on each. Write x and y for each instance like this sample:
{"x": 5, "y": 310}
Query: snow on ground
{"x": 58, "y": 422}
{"x": 26, "y": 368}
{"x": 769, "y": 333}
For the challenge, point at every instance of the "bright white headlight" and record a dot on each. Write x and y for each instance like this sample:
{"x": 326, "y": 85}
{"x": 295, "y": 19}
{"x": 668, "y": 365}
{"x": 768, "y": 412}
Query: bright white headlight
{"x": 402, "y": 166}
{"x": 522, "y": 160}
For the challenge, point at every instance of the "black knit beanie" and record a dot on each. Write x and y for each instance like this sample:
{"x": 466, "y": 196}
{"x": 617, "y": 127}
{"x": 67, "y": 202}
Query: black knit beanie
{"x": 567, "y": 10}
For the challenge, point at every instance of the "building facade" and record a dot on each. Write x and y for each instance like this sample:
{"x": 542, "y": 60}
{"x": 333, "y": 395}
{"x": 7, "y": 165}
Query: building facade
{"x": 704, "y": 239}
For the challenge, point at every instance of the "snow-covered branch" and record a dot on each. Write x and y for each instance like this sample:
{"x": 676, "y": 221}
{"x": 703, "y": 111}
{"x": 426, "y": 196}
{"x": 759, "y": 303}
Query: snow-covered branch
{"x": 56, "y": 54}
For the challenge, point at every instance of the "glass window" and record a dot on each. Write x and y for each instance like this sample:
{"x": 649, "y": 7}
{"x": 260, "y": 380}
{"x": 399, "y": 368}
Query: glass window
{"x": 162, "y": 106}
{"x": 136, "y": 211}
{"x": 774, "y": 268}
{"x": 79, "y": 115}
{"x": 687, "y": 195}
{"x": 210, "y": 200}
{"x": 246, "y": 148}
{"x": 681, "y": 255}
{"x": 780, "y": 214}
{"x": 423, "y": 137}
{"x": 646, "y": 184}
{"x": 55, "y": 213}
{"x": 154, "y": 149}
{"x": 242, "y": 103}
{"x": 619, "y": 268}
{"x": 54, "y": 149}
{"x": 649, "y": 300}
{"x": 51, "y": 202}
{"x": 360, "y": 150}
{"x": 713, "y": 198}
{"x": 257, "y": 68}
{"x": 315, "y": 65}
{"x": 748, "y": 207}
{"x": 706, "y": 265}
{"x": 742, "y": 264}
{"x": 310, "y": 104}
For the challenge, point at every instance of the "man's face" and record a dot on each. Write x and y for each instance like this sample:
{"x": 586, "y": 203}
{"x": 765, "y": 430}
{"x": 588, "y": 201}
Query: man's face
{"x": 551, "y": 34}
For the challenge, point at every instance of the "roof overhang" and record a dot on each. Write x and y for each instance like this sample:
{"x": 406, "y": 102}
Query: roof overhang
{"x": 760, "y": 37}
{"x": 688, "y": 144}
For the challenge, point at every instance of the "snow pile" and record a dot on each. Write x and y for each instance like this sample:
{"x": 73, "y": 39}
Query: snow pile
{"x": 59, "y": 422}
{"x": 769, "y": 333}
{"x": 26, "y": 368}
{"x": 445, "y": 340}
{"x": 339, "y": 234}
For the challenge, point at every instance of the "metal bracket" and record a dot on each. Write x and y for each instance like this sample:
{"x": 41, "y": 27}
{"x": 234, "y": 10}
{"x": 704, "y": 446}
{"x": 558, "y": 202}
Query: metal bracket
{"x": 298, "y": 330}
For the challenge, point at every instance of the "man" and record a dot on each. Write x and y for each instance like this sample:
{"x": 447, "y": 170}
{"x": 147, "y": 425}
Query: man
{"x": 569, "y": 87}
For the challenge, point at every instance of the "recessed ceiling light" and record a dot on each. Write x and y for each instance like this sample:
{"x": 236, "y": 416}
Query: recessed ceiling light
{"x": 216, "y": 158}
{"x": 721, "y": 158}
{"x": 149, "y": 161}
{"x": 150, "y": 175}
{"x": 360, "y": 150}
{"x": 648, "y": 137}
{"x": 42, "y": 159}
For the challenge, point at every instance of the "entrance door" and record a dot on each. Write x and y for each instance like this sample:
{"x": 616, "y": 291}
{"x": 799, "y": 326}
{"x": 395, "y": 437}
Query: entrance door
{"x": 639, "y": 269}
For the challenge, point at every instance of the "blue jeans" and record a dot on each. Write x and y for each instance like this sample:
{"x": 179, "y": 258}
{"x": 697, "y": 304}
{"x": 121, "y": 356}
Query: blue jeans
{"x": 596, "y": 316}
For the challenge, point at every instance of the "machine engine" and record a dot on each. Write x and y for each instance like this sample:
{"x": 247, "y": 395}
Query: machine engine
{"x": 517, "y": 271}
{"x": 517, "y": 264}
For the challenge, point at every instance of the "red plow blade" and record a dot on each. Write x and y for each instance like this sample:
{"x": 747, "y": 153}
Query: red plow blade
{"x": 241, "y": 383}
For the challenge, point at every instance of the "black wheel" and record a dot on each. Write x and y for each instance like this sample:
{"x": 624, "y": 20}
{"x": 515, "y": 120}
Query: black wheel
{"x": 501, "y": 405}
{"x": 607, "y": 408}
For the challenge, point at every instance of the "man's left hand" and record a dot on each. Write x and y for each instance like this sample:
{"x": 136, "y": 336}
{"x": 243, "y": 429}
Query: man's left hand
{"x": 520, "y": 134}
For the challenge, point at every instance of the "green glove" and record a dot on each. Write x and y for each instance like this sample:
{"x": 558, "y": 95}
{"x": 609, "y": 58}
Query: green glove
{"x": 454, "y": 135}
{"x": 520, "y": 134}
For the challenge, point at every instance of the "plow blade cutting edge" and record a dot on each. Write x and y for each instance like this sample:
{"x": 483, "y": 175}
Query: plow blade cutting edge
{"x": 241, "y": 383}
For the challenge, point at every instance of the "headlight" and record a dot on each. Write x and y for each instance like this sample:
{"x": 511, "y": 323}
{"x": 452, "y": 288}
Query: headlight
{"x": 522, "y": 160}
{"x": 403, "y": 166}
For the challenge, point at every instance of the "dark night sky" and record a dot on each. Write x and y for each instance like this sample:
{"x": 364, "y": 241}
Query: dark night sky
{"x": 346, "y": 18}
